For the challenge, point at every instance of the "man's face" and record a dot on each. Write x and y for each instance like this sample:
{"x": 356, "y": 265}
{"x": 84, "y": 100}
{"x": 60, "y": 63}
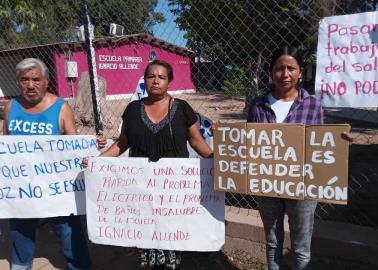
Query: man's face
{"x": 33, "y": 85}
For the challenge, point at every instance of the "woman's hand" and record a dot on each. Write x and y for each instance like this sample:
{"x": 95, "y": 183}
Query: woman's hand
{"x": 101, "y": 140}
{"x": 84, "y": 162}
{"x": 347, "y": 136}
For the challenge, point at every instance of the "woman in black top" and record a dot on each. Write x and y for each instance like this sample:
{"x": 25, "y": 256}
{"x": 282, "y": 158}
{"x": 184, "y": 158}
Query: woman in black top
{"x": 155, "y": 127}
{"x": 151, "y": 139}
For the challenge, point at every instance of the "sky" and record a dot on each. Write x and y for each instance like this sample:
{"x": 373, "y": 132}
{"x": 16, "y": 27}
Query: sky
{"x": 168, "y": 30}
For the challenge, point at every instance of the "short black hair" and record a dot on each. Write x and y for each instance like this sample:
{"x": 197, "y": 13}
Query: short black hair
{"x": 162, "y": 63}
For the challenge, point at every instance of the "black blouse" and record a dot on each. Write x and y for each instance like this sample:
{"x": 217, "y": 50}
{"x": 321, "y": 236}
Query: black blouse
{"x": 154, "y": 141}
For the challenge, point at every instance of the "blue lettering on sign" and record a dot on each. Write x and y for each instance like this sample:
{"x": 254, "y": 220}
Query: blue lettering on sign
{"x": 72, "y": 144}
{"x": 30, "y": 192}
{"x": 20, "y": 147}
{"x": 5, "y": 193}
{"x": 55, "y": 188}
{"x": 74, "y": 185}
{"x": 12, "y": 171}
{"x": 57, "y": 166}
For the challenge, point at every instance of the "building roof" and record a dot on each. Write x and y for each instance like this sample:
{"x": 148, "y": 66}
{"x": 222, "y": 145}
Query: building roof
{"x": 113, "y": 40}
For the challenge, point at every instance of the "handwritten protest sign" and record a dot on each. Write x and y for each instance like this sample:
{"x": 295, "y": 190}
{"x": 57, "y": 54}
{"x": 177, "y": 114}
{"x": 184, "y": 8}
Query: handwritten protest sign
{"x": 282, "y": 160}
{"x": 40, "y": 175}
{"x": 347, "y": 61}
{"x": 326, "y": 163}
{"x": 230, "y": 167}
{"x": 274, "y": 156}
{"x": 169, "y": 204}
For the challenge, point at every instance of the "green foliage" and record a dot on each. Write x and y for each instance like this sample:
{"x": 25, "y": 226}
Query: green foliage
{"x": 238, "y": 31}
{"x": 136, "y": 16}
{"x": 236, "y": 83}
{"x": 241, "y": 33}
{"x": 35, "y": 22}
{"x": 324, "y": 8}
{"x": 245, "y": 33}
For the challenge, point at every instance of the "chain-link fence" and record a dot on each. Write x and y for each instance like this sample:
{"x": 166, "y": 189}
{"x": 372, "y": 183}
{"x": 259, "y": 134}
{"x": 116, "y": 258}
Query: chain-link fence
{"x": 219, "y": 51}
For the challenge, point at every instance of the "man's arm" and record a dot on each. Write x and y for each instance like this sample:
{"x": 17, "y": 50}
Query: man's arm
{"x": 6, "y": 113}
{"x": 67, "y": 120}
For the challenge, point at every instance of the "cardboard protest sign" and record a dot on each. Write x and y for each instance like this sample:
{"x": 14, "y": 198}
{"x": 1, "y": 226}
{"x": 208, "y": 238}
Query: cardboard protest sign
{"x": 40, "y": 176}
{"x": 229, "y": 170}
{"x": 327, "y": 163}
{"x": 276, "y": 155}
{"x": 347, "y": 61}
{"x": 282, "y": 160}
{"x": 169, "y": 204}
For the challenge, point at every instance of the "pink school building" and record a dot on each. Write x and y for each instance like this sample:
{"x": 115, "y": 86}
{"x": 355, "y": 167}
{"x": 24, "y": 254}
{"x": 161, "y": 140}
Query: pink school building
{"x": 120, "y": 63}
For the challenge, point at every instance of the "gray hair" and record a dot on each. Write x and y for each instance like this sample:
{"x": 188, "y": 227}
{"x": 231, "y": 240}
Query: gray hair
{"x": 31, "y": 63}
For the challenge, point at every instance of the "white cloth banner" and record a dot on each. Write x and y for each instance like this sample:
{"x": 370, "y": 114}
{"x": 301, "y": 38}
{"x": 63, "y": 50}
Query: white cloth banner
{"x": 347, "y": 61}
{"x": 169, "y": 204}
{"x": 41, "y": 176}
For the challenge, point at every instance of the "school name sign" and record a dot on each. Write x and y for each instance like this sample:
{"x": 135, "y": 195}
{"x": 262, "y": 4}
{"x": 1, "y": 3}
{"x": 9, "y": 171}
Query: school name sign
{"x": 347, "y": 61}
{"x": 41, "y": 176}
{"x": 282, "y": 160}
{"x": 168, "y": 204}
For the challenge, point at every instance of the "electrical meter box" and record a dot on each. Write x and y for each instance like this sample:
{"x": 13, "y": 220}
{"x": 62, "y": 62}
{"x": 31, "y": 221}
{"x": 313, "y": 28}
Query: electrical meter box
{"x": 71, "y": 69}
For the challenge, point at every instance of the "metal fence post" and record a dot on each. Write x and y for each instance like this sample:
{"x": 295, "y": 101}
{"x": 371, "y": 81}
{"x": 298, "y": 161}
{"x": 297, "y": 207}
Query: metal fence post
{"x": 91, "y": 58}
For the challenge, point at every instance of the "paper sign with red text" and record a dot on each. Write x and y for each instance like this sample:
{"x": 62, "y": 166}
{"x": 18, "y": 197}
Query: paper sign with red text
{"x": 169, "y": 204}
{"x": 347, "y": 61}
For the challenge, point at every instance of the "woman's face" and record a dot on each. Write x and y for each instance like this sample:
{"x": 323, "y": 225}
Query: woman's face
{"x": 286, "y": 74}
{"x": 156, "y": 81}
